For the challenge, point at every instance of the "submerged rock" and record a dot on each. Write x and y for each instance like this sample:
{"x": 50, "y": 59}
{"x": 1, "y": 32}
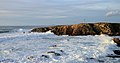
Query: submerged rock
{"x": 117, "y": 52}
{"x": 57, "y": 54}
{"x": 113, "y": 56}
{"x": 30, "y": 57}
{"x": 45, "y": 56}
{"x": 61, "y": 51}
{"x": 51, "y": 52}
{"x": 91, "y": 58}
{"x": 53, "y": 46}
{"x": 83, "y": 29}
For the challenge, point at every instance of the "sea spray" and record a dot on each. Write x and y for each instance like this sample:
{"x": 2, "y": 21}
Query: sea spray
{"x": 77, "y": 49}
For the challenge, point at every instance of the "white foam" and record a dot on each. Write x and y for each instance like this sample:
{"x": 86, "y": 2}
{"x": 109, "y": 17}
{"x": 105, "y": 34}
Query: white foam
{"x": 17, "y": 47}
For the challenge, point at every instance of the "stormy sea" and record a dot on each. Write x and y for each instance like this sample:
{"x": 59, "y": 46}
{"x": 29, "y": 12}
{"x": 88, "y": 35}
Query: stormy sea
{"x": 19, "y": 45}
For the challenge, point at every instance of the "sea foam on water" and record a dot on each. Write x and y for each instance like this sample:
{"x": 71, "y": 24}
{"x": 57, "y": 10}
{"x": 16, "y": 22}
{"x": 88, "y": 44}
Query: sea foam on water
{"x": 34, "y": 48}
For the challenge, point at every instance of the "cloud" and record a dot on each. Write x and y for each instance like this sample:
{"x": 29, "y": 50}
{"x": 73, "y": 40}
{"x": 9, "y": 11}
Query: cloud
{"x": 51, "y": 17}
{"x": 8, "y": 13}
{"x": 55, "y": 10}
{"x": 113, "y": 13}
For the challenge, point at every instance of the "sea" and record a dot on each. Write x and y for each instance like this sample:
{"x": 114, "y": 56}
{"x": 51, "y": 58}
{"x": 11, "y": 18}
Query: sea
{"x": 19, "y": 45}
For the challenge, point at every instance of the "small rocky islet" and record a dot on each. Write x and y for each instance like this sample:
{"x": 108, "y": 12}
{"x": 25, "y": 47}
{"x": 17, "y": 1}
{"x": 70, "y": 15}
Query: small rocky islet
{"x": 112, "y": 29}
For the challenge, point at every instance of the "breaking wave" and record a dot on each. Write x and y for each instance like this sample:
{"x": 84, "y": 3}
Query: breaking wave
{"x": 49, "y": 48}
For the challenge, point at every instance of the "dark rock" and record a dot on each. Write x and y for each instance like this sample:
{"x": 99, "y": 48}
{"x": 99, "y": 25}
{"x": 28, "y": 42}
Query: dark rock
{"x": 117, "y": 52}
{"x": 53, "y": 46}
{"x": 57, "y": 54}
{"x": 113, "y": 56}
{"x": 91, "y": 58}
{"x": 30, "y": 57}
{"x": 118, "y": 45}
{"x": 5, "y": 31}
{"x": 61, "y": 51}
{"x": 51, "y": 52}
{"x": 45, "y": 56}
{"x": 44, "y": 29}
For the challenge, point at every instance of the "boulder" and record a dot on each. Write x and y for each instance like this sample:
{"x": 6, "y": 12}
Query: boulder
{"x": 117, "y": 41}
{"x": 45, "y": 56}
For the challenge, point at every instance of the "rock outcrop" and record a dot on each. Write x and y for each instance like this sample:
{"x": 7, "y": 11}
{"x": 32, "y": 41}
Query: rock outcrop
{"x": 112, "y": 29}
{"x": 117, "y": 41}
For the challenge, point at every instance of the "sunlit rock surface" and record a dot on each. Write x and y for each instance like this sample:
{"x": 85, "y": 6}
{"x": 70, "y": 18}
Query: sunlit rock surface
{"x": 112, "y": 29}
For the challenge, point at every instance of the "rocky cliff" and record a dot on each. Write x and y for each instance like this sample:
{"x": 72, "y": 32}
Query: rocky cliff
{"x": 83, "y": 29}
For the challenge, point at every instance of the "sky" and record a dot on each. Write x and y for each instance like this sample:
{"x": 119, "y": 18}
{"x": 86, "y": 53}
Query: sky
{"x": 57, "y": 12}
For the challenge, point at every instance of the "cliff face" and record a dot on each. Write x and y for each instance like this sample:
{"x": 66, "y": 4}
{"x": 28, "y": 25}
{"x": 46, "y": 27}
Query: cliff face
{"x": 83, "y": 29}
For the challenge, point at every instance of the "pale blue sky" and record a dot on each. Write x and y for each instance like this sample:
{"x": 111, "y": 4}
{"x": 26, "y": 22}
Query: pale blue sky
{"x": 49, "y": 12}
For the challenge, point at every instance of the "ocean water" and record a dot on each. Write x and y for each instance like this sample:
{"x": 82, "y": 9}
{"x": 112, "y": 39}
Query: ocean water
{"x": 14, "y": 29}
{"x": 17, "y": 45}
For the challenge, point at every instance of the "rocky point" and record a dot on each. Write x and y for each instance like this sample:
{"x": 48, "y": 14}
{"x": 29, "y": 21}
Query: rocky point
{"x": 112, "y": 29}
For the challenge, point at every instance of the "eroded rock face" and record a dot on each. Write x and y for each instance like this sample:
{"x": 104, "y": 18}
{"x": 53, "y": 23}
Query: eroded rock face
{"x": 103, "y": 28}
{"x": 116, "y": 28}
{"x": 62, "y": 30}
{"x": 83, "y": 29}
